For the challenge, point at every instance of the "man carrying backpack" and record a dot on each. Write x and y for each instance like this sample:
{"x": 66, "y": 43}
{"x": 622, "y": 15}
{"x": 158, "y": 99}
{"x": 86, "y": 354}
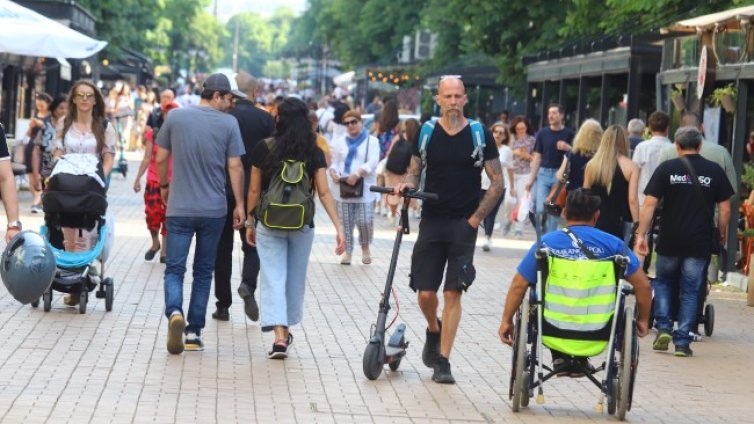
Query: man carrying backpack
{"x": 203, "y": 140}
{"x": 448, "y": 161}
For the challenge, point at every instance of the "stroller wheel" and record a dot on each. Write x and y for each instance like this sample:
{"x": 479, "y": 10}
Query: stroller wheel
{"x": 83, "y": 300}
{"x": 47, "y": 300}
{"x": 109, "y": 293}
{"x": 709, "y": 319}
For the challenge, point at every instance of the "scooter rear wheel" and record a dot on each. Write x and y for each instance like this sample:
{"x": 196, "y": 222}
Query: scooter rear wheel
{"x": 374, "y": 360}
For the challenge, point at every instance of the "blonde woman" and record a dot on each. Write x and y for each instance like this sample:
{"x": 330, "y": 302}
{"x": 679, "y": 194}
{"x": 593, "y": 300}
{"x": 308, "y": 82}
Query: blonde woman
{"x": 585, "y": 145}
{"x": 615, "y": 178}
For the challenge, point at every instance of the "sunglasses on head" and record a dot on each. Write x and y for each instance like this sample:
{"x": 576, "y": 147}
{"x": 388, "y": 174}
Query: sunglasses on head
{"x": 351, "y": 122}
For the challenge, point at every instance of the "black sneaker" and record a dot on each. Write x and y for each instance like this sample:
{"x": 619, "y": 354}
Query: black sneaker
{"x": 221, "y": 314}
{"x": 431, "y": 351}
{"x": 683, "y": 351}
{"x": 662, "y": 340}
{"x": 280, "y": 348}
{"x": 249, "y": 303}
{"x": 194, "y": 342}
{"x": 442, "y": 373}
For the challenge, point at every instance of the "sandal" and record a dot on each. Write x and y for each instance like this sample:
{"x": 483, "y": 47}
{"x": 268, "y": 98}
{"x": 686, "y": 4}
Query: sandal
{"x": 151, "y": 254}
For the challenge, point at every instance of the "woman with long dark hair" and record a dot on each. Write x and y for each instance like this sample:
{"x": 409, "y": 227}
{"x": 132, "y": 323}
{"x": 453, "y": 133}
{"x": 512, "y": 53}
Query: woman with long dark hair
{"x": 284, "y": 254}
{"x": 388, "y": 132}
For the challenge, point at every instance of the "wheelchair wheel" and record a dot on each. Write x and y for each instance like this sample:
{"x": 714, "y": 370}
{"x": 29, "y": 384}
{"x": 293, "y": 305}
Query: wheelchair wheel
{"x": 626, "y": 370}
{"x": 709, "y": 319}
{"x": 519, "y": 387}
{"x": 525, "y": 379}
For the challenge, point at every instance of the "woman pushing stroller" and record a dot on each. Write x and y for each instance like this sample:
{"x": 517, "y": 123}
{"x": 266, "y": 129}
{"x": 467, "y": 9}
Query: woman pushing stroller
{"x": 84, "y": 131}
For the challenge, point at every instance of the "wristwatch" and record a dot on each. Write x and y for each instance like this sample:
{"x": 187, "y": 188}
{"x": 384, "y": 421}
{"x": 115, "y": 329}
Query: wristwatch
{"x": 249, "y": 223}
{"x": 15, "y": 225}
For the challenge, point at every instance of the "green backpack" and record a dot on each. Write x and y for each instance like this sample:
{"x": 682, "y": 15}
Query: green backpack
{"x": 288, "y": 202}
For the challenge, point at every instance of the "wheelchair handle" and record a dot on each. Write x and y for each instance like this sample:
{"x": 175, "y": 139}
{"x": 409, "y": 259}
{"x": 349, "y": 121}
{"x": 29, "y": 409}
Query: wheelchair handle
{"x": 407, "y": 192}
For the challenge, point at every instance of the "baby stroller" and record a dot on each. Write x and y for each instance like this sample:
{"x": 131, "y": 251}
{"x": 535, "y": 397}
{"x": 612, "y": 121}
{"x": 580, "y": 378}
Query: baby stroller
{"x": 75, "y": 198}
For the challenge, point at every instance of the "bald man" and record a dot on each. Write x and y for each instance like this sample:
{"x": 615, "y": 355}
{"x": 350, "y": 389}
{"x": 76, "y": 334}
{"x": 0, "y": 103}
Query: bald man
{"x": 448, "y": 229}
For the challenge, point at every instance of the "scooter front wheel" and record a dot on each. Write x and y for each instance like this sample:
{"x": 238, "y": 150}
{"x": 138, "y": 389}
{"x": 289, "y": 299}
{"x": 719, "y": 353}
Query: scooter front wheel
{"x": 374, "y": 360}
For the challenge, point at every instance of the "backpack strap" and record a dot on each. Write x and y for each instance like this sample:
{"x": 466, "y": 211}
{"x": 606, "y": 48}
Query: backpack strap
{"x": 424, "y": 137}
{"x": 477, "y": 136}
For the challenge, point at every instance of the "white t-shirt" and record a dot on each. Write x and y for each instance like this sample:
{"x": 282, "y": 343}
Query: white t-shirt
{"x": 647, "y": 156}
{"x": 366, "y": 161}
{"x": 506, "y": 160}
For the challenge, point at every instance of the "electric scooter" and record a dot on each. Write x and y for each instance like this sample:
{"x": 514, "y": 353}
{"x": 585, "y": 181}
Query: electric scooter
{"x": 377, "y": 354}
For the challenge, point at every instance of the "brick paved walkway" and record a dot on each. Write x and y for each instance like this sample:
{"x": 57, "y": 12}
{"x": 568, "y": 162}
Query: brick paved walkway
{"x": 103, "y": 367}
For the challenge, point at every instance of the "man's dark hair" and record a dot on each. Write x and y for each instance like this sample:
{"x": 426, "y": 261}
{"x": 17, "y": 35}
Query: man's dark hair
{"x": 425, "y": 116}
{"x": 581, "y": 204}
{"x": 658, "y": 121}
{"x": 691, "y": 119}
{"x": 207, "y": 94}
{"x": 557, "y": 105}
{"x": 688, "y": 138}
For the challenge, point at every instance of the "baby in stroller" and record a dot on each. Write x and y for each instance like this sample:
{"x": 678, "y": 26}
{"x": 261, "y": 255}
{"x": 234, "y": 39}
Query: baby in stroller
{"x": 75, "y": 225}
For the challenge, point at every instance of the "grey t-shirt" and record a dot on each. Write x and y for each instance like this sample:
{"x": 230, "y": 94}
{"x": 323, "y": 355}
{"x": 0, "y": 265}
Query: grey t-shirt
{"x": 200, "y": 140}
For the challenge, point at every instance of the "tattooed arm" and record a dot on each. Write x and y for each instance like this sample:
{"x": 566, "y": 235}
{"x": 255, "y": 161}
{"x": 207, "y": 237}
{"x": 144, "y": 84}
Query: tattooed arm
{"x": 413, "y": 174}
{"x": 495, "y": 172}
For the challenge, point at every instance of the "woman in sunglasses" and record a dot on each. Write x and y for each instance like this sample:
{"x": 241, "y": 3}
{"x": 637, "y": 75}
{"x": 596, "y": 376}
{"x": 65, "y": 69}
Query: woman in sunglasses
{"x": 354, "y": 161}
{"x": 86, "y": 131}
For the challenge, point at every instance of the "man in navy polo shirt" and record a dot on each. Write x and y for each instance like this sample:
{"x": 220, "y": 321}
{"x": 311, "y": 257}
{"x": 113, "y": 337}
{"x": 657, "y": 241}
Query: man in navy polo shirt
{"x": 552, "y": 143}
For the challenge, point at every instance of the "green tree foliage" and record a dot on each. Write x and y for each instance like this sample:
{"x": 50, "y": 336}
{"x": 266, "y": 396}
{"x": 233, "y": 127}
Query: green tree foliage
{"x": 124, "y": 23}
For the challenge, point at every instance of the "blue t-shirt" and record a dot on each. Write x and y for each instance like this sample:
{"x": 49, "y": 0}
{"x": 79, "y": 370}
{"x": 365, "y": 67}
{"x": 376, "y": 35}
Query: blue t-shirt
{"x": 547, "y": 146}
{"x": 602, "y": 245}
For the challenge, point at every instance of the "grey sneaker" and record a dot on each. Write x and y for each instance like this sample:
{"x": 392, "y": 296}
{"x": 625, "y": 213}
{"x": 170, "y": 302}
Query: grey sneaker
{"x": 249, "y": 303}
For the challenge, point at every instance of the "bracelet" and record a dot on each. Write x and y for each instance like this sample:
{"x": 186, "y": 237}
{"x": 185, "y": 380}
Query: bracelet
{"x": 166, "y": 185}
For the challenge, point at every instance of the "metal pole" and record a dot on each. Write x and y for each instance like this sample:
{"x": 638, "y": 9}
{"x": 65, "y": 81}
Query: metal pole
{"x": 235, "y": 44}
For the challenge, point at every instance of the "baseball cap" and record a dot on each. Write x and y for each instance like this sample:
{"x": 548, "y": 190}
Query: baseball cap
{"x": 223, "y": 82}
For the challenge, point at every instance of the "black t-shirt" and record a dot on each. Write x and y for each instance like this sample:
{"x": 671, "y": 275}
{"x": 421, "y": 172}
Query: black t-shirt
{"x": 686, "y": 223}
{"x": 255, "y": 125}
{"x": 259, "y": 156}
{"x": 451, "y": 173}
{"x": 3, "y": 144}
{"x": 547, "y": 145}
{"x": 155, "y": 119}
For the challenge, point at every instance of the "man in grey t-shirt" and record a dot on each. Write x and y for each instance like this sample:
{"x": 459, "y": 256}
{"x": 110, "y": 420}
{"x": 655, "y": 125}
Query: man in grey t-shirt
{"x": 203, "y": 141}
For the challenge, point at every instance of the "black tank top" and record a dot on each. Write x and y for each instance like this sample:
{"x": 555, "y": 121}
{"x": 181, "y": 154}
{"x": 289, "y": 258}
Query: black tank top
{"x": 614, "y": 210}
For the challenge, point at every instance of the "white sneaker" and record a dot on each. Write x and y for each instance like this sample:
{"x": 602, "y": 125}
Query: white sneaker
{"x": 487, "y": 245}
{"x": 496, "y": 227}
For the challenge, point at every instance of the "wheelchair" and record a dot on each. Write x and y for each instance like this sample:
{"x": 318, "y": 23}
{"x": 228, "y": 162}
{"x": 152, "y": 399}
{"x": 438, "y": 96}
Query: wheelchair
{"x": 607, "y": 325}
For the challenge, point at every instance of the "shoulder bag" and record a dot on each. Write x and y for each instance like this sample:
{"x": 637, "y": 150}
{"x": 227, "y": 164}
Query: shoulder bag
{"x": 355, "y": 191}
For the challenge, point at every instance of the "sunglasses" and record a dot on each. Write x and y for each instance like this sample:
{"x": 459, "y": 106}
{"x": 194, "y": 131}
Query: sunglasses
{"x": 351, "y": 122}
{"x": 85, "y": 96}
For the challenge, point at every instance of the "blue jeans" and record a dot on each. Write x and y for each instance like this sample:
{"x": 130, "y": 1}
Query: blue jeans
{"x": 545, "y": 180}
{"x": 180, "y": 233}
{"x": 688, "y": 275}
{"x": 283, "y": 259}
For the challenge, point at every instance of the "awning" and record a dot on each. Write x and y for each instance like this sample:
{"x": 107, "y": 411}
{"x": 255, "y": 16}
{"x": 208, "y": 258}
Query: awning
{"x": 65, "y": 69}
{"x": 729, "y": 19}
{"x": 27, "y": 33}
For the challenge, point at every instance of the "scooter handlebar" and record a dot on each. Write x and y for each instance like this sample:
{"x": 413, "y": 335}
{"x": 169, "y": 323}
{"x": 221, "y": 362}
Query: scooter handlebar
{"x": 407, "y": 192}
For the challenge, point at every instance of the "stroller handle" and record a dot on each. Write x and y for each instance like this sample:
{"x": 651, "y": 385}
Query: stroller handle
{"x": 407, "y": 192}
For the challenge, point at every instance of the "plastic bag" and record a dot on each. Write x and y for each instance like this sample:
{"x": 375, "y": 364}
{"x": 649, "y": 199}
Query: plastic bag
{"x": 522, "y": 213}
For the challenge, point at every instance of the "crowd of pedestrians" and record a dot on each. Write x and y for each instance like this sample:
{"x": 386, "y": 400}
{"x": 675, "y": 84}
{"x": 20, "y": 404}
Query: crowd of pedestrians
{"x": 223, "y": 162}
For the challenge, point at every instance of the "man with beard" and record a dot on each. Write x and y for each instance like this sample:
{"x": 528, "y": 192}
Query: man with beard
{"x": 203, "y": 141}
{"x": 448, "y": 229}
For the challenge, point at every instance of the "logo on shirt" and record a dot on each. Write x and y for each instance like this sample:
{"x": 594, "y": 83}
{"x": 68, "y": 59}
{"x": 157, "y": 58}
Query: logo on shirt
{"x": 687, "y": 179}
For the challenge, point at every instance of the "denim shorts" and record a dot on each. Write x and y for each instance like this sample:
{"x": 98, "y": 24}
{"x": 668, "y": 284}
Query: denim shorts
{"x": 441, "y": 241}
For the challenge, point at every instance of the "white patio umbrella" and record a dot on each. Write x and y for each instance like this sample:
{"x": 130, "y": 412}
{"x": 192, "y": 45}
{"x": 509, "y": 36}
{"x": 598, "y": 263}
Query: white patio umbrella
{"x": 27, "y": 33}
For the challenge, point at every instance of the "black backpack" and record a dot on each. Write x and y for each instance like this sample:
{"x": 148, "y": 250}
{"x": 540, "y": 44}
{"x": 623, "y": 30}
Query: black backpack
{"x": 400, "y": 157}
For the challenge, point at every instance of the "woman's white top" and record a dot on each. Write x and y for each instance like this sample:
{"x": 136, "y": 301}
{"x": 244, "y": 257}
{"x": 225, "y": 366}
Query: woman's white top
{"x": 84, "y": 142}
{"x": 506, "y": 160}
{"x": 364, "y": 161}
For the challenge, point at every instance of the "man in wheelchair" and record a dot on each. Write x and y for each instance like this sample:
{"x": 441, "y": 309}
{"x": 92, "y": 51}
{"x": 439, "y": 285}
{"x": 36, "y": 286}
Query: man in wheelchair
{"x": 578, "y": 241}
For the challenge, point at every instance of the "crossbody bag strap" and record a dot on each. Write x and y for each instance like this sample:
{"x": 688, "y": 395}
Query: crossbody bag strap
{"x": 588, "y": 253}
{"x": 697, "y": 186}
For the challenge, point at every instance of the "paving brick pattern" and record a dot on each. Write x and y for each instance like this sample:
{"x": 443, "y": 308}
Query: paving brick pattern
{"x": 63, "y": 367}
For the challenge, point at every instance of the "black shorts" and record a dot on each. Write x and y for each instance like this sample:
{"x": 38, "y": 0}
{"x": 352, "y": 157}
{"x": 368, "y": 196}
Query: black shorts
{"x": 441, "y": 241}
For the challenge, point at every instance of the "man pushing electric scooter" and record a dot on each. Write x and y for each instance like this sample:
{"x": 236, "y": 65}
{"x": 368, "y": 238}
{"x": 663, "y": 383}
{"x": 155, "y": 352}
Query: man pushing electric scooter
{"x": 448, "y": 161}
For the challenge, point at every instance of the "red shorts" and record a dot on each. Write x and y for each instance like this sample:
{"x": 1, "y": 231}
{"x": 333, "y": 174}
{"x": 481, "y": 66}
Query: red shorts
{"x": 154, "y": 208}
